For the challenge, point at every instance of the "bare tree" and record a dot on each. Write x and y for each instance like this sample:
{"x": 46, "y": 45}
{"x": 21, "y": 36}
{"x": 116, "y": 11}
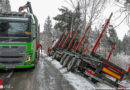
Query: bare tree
{"x": 124, "y": 8}
{"x": 91, "y": 11}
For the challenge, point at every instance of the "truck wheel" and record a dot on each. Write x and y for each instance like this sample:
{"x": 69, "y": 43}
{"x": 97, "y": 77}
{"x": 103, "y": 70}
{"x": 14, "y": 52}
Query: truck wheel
{"x": 35, "y": 63}
{"x": 63, "y": 58}
{"x": 94, "y": 80}
{"x": 66, "y": 61}
{"x": 38, "y": 55}
{"x": 49, "y": 53}
{"x": 71, "y": 64}
{"x": 54, "y": 56}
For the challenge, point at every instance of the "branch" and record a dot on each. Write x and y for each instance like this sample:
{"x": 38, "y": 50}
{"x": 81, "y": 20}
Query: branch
{"x": 72, "y": 4}
{"x": 122, "y": 21}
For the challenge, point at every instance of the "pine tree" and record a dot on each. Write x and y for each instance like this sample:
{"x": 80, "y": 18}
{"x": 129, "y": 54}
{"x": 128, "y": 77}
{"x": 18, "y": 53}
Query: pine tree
{"x": 125, "y": 44}
{"x": 68, "y": 21}
{"x": 64, "y": 20}
{"x": 48, "y": 25}
{"x": 113, "y": 35}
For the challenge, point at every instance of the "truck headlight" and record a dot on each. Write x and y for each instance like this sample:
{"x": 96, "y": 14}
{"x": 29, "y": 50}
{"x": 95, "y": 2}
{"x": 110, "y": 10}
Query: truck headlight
{"x": 28, "y": 58}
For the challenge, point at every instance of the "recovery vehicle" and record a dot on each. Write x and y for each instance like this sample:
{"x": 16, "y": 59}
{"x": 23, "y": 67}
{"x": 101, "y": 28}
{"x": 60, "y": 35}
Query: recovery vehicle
{"x": 19, "y": 39}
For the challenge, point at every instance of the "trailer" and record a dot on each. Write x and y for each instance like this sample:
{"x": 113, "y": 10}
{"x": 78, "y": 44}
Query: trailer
{"x": 92, "y": 65}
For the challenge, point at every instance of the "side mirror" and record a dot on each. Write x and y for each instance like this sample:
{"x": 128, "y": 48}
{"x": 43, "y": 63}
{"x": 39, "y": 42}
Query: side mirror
{"x": 34, "y": 38}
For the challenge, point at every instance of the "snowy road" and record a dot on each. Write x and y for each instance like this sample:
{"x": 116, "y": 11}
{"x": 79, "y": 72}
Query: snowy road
{"x": 43, "y": 77}
{"x": 50, "y": 75}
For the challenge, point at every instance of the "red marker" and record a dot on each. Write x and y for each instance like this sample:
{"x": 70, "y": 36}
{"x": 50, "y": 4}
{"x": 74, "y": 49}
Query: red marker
{"x": 100, "y": 36}
{"x": 85, "y": 48}
{"x": 76, "y": 32}
{"x": 109, "y": 56}
{"x": 61, "y": 40}
{"x": 73, "y": 45}
{"x": 66, "y": 40}
{"x": 1, "y": 85}
{"x": 129, "y": 70}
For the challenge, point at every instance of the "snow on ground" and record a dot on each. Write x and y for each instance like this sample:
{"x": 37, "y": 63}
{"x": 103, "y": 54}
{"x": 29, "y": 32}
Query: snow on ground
{"x": 121, "y": 60}
{"x": 126, "y": 84}
{"x": 43, "y": 53}
{"x": 78, "y": 81}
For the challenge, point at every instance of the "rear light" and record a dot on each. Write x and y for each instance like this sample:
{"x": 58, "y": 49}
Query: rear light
{"x": 1, "y": 85}
{"x": 90, "y": 71}
{"x": 111, "y": 73}
{"x": 120, "y": 87}
{"x": 113, "y": 67}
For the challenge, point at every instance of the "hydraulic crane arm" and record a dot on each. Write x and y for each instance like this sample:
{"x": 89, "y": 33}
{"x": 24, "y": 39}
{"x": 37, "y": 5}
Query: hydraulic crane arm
{"x": 26, "y": 6}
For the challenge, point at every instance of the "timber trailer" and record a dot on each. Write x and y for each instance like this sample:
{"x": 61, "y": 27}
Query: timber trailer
{"x": 19, "y": 39}
{"x": 94, "y": 66}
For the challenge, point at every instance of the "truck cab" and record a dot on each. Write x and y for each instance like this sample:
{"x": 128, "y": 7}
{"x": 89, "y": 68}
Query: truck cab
{"x": 18, "y": 40}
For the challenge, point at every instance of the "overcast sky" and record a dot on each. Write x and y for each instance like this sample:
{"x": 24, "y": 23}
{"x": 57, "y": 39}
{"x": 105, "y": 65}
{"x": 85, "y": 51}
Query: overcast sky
{"x": 44, "y": 8}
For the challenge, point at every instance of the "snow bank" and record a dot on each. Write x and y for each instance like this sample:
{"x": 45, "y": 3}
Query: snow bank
{"x": 43, "y": 53}
{"x": 121, "y": 60}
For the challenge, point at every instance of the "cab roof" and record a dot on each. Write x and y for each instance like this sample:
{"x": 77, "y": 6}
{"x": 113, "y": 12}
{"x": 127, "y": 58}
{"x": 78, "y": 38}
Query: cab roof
{"x": 15, "y": 14}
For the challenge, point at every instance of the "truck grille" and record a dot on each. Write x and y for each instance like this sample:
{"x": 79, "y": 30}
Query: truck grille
{"x": 12, "y": 54}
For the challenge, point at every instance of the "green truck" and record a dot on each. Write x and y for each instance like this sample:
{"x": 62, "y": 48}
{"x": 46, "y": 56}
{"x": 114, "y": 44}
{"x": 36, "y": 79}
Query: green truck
{"x": 19, "y": 39}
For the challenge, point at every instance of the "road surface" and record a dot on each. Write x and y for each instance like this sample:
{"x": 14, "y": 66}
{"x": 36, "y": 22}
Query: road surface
{"x": 44, "y": 77}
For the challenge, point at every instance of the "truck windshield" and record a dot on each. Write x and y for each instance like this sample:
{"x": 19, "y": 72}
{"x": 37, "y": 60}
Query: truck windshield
{"x": 13, "y": 29}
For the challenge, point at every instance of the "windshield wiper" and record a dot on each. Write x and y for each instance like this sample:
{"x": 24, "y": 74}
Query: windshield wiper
{"x": 10, "y": 39}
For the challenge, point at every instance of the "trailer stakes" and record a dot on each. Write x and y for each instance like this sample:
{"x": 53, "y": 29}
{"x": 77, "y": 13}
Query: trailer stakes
{"x": 58, "y": 41}
{"x": 82, "y": 38}
{"x": 100, "y": 36}
{"x": 85, "y": 48}
{"x": 61, "y": 40}
{"x": 74, "y": 45}
{"x": 109, "y": 56}
{"x": 66, "y": 40}
{"x": 76, "y": 32}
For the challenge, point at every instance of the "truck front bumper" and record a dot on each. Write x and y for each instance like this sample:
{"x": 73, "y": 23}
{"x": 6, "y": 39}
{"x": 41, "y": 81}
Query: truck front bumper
{"x": 18, "y": 67}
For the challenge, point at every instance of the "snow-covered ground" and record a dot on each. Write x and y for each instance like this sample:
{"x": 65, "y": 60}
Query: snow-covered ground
{"x": 77, "y": 81}
{"x": 121, "y": 60}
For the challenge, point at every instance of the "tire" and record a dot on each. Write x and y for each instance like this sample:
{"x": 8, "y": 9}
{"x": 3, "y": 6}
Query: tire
{"x": 71, "y": 64}
{"x": 35, "y": 63}
{"x": 94, "y": 80}
{"x": 49, "y": 53}
{"x": 54, "y": 56}
{"x": 63, "y": 58}
{"x": 60, "y": 57}
{"x": 38, "y": 55}
{"x": 66, "y": 61}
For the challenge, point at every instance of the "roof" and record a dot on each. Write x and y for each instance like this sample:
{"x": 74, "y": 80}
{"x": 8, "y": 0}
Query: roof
{"x": 15, "y": 14}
